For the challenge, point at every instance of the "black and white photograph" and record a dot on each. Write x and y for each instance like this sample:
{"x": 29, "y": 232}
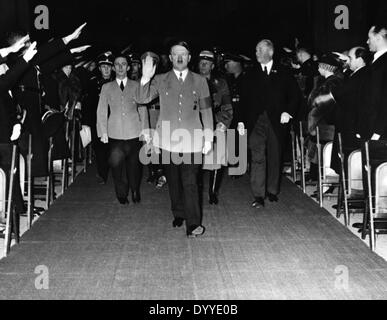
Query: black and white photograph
{"x": 193, "y": 155}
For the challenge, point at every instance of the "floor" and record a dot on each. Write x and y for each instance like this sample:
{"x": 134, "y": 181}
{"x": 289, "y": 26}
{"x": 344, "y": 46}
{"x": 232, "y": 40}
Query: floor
{"x": 87, "y": 246}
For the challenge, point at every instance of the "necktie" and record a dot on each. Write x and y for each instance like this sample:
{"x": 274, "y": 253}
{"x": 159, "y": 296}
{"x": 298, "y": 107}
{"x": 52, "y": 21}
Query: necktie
{"x": 122, "y": 86}
{"x": 266, "y": 71}
{"x": 181, "y": 78}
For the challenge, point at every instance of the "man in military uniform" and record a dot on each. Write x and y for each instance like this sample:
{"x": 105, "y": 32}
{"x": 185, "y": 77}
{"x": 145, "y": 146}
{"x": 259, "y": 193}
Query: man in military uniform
{"x": 89, "y": 114}
{"x": 233, "y": 64}
{"x": 185, "y": 111}
{"x": 222, "y": 113}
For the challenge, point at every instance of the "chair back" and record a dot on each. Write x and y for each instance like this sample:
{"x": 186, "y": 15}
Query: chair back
{"x": 22, "y": 173}
{"x": 381, "y": 191}
{"x": 3, "y": 194}
{"x": 355, "y": 174}
{"x": 327, "y": 157}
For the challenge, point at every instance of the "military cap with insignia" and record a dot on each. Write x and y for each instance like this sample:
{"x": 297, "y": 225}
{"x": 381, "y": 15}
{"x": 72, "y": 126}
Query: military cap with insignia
{"x": 106, "y": 58}
{"x": 232, "y": 57}
{"x": 134, "y": 58}
{"x": 207, "y": 55}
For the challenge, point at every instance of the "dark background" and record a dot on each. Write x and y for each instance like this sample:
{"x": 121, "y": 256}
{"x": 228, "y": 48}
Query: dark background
{"x": 232, "y": 25}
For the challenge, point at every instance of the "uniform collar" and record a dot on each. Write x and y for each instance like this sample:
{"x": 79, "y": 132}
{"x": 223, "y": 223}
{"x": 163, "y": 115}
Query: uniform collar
{"x": 124, "y": 80}
{"x": 184, "y": 73}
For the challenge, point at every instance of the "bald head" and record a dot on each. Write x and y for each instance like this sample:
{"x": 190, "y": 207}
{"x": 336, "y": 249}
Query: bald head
{"x": 265, "y": 51}
{"x": 358, "y": 57}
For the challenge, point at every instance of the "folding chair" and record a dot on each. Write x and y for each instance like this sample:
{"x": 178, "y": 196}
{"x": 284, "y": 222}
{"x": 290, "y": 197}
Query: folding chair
{"x": 11, "y": 218}
{"x": 48, "y": 184}
{"x": 326, "y": 176}
{"x": 3, "y": 199}
{"x": 375, "y": 171}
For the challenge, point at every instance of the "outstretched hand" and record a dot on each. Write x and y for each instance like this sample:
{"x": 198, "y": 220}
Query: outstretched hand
{"x": 75, "y": 35}
{"x": 79, "y": 49}
{"x": 30, "y": 53}
{"x": 148, "y": 69}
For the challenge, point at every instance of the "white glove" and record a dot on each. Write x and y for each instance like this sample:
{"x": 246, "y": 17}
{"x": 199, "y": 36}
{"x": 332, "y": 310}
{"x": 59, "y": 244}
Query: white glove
{"x": 285, "y": 118}
{"x": 16, "y": 132}
{"x": 375, "y": 137}
{"x": 207, "y": 147}
{"x": 30, "y": 53}
{"x": 241, "y": 129}
{"x": 105, "y": 138}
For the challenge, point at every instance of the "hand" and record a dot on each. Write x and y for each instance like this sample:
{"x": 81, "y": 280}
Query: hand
{"x": 79, "y": 49}
{"x": 75, "y": 35}
{"x": 105, "y": 138}
{"x": 148, "y": 70}
{"x": 16, "y": 132}
{"x": 221, "y": 127}
{"x": 358, "y": 136}
{"x": 375, "y": 137}
{"x": 285, "y": 118}
{"x": 78, "y": 106}
{"x": 241, "y": 129}
{"x": 207, "y": 147}
{"x": 30, "y": 53}
{"x": 147, "y": 138}
{"x": 19, "y": 44}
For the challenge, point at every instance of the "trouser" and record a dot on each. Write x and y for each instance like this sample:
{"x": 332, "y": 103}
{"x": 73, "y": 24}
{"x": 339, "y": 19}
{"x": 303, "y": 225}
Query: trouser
{"x": 183, "y": 189}
{"x": 125, "y": 165}
{"x": 101, "y": 151}
{"x": 265, "y": 159}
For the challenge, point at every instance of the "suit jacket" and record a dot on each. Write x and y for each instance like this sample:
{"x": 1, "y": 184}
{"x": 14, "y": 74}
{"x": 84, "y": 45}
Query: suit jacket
{"x": 275, "y": 93}
{"x": 350, "y": 101}
{"x": 127, "y": 120}
{"x": 376, "y": 96}
{"x": 184, "y": 109}
{"x": 7, "y": 103}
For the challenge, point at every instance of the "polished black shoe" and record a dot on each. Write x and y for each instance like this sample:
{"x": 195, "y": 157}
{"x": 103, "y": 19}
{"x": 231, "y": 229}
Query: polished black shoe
{"x": 136, "y": 197}
{"x": 195, "y": 231}
{"x": 213, "y": 198}
{"x": 258, "y": 203}
{"x": 123, "y": 201}
{"x": 272, "y": 197}
{"x": 178, "y": 222}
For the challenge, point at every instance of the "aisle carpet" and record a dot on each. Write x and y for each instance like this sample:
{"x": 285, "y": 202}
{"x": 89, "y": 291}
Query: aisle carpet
{"x": 93, "y": 248}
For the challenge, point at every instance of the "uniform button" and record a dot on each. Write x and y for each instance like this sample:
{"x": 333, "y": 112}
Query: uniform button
{"x": 181, "y": 96}
{"x": 179, "y": 103}
{"x": 179, "y": 111}
{"x": 179, "y": 119}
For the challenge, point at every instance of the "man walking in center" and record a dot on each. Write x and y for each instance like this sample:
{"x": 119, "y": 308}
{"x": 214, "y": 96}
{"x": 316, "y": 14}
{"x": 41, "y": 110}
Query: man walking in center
{"x": 185, "y": 106}
{"x": 122, "y": 130}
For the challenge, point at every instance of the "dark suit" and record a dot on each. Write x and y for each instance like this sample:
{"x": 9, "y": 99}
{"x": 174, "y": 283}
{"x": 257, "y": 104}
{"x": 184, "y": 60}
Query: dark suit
{"x": 373, "y": 114}
{"x": 89, "y": 118}
{"x": 264, "y": 98}
{"x": 28, "y": 93}
{"x": 7, "y": 121}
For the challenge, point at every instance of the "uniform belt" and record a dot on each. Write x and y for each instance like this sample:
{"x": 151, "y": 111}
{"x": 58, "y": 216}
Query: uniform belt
{"x": 29, "y": 89}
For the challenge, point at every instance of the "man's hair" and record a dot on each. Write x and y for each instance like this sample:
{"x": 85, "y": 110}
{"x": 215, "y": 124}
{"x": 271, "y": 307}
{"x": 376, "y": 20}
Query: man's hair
{"x": 121, "y": 56}
{"x": 268, "y": 43}
{"x": 363, "y": 53}
{"x": 13, "y": 36}
{"x": 182, "y": 44}
{"x": 381, "y": 28}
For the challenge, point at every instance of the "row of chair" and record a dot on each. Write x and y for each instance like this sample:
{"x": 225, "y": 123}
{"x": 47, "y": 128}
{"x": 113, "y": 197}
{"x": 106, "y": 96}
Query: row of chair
{"x": 36, "y": 188}
{"x": 361, "y": 182}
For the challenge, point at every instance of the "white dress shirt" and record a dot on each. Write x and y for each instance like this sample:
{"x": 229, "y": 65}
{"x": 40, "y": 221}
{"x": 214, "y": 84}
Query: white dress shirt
{"x": 269, "y": 66}
{"x": 124, "y": 80}
{"x": 184, "y": 73}
{"x": 379, "y": 54}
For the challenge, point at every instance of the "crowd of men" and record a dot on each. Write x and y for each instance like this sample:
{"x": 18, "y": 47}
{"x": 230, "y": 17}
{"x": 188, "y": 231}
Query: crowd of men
{"x": 136, "y": 103}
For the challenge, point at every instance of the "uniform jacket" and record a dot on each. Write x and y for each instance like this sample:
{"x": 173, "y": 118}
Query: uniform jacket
{"x": 126, "y": 120}
{"x": 182, "y": 106}
{"x": 7, "y": 103}
{"x": 275, "y": 93}
{"x": 221, "y": 101}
